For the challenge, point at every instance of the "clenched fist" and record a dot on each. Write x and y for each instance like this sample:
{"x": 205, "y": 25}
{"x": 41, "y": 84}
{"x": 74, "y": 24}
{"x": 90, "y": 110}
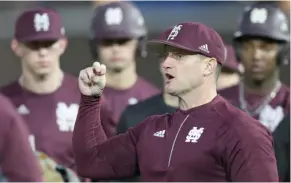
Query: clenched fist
{"x": 92, "y": 80}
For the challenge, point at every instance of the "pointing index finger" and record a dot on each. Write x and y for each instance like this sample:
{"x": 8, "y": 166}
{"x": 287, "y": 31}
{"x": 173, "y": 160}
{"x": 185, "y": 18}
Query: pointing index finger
{"x": 96, "y": 68}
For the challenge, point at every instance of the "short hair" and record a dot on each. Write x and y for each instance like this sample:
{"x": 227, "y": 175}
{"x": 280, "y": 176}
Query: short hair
{"x": 218, "y": 70}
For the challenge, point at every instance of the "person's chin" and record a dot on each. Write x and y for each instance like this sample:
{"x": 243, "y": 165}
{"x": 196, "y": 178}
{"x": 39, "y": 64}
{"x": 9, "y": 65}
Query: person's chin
{"x": 258, "y": 77}
{"x": 116, "y": 68}
{"x": 43, "y": 71}
{"x": 171, "y": 91}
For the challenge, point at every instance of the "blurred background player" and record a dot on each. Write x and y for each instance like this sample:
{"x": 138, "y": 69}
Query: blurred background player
{"x": 118, "y": 38}
{"x": 18, "y": 163}
{"x": 46, "y": 97}
{"x": 260, "y": 43}
{"x": 230, "y": 72}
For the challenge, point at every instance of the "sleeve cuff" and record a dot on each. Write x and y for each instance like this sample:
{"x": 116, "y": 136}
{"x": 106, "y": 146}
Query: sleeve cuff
{"x": 91, "y": 99}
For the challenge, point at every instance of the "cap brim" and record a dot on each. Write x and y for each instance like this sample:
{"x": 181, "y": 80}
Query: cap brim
{"x": 159, "y": 46}
{"x": 40, "y": 38}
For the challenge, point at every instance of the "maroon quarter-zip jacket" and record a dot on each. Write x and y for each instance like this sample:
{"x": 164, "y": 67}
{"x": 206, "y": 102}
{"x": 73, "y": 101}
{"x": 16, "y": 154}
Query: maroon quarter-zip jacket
{"x": 212, "y": 142}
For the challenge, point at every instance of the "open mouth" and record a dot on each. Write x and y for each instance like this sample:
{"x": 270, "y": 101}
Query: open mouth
{"x": 169, "y": 77}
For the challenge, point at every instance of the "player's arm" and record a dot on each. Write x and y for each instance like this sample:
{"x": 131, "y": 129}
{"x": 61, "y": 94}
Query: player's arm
{"x": 95, "y": 156}
{"x": 18, "y": 161}
{"x": 108, "y": 124}
{"x": 249, "y": 155}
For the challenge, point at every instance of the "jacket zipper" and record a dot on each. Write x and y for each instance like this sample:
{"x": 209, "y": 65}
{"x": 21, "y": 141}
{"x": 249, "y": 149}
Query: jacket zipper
{"x": 174, "y": 142}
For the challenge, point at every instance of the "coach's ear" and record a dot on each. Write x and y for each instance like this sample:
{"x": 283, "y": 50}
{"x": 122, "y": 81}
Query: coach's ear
{"x": 210, "y": 66}
{"x": 15, "y": 47}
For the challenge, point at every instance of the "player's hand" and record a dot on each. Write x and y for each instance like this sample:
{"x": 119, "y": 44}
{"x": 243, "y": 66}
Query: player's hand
{"x": 92, "y": 80}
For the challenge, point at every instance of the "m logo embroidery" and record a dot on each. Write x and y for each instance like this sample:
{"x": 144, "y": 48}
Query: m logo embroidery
{"x": 113, "y": 16}
{"x": 194, "y": 134}
{"x": 66, "y": 116}
{"x": 41, "y": 22}
{"x": 259, "y": 16}
{"x": 175, "y": 31}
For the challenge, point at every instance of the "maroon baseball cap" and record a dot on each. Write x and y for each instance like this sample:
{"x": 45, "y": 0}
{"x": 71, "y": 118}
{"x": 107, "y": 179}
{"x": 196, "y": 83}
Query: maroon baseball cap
{"x": 39, "y": 24}
{"x": 194, "y": 37}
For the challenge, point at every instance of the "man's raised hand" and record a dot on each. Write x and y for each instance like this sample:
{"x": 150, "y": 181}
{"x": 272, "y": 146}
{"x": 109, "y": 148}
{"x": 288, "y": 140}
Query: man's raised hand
{"x": 92, "y": 80}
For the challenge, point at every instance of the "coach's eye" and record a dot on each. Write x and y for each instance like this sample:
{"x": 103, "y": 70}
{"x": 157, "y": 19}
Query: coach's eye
{"x": 177, "y": 56}
{"x": 162, "y": 56}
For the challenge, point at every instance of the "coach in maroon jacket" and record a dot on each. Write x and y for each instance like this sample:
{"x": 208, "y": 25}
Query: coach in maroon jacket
{"x": 206, "y": 139}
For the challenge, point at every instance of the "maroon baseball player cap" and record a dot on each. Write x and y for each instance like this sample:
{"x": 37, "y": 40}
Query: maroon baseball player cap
{"x": 39, "y": 24}
{"x": 194, "y": 37}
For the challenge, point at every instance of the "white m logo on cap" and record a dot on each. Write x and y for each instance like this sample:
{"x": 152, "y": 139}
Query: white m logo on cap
{"x": 175, "y": 31}
{"x": 259, "y": 16}
{"x": 41, "y": 22}
{"x": 113, "y": 16}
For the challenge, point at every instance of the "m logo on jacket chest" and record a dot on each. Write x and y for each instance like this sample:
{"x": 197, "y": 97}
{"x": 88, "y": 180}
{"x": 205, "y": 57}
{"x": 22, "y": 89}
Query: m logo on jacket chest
{"x": 66, "y": 116}
{"x": 194, "y": 135}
